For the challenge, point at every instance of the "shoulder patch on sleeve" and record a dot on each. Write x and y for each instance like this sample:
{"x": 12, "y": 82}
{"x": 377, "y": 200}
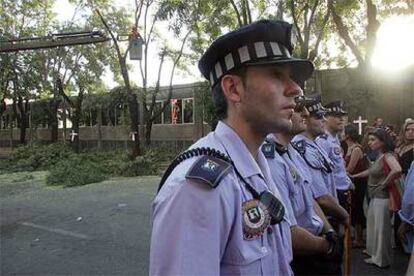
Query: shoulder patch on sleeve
{"x": 209, "y": 169}
{"x": 268, "y": 150}
{"x": 299, "y": 146}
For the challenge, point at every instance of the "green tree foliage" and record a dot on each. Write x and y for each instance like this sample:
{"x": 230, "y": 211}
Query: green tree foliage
{"x": 357, "y": 22}
{"x": 52, "y": 74}
{"x": 19, "y": 73}
{"x": 310, "y": 19}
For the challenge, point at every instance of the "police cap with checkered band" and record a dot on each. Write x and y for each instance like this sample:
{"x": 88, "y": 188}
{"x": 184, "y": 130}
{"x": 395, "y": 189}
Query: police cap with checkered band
{"x": 335, "y": 108}
{"x": 315, "y": 106}
{"x": 260, "y": 43}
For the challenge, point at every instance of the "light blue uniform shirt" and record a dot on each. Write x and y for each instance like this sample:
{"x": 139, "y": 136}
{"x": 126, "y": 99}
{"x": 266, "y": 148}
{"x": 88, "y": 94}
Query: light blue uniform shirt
{"x": 407, "y": 210}
{"x": 331, "y": 145}
{"x": 296, "y": 182}
{"x": 197, "y": 230}
{"x": 316, "y": 160}
{"x": 407, "y": 204}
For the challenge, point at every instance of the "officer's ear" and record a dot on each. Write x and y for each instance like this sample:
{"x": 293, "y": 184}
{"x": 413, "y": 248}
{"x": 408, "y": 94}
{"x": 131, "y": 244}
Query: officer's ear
{"x": 232, "y": 86}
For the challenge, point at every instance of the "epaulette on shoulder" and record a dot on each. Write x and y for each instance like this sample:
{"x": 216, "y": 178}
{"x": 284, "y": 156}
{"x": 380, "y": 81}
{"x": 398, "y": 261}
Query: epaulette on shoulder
{"x": 268, "y": 150}
{"x": 323, "y": 136}
{"x": 299, "y": 146}
{"x": 209, "y": 169}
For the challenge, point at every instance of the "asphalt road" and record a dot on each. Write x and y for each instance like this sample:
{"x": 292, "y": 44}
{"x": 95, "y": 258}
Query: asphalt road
{"x": 97, "y": 229}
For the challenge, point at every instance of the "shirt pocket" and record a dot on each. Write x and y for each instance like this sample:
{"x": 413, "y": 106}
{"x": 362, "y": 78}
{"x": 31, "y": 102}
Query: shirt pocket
{"x": 299, "y": 206}
{"x": 245, "y": 252}
{"x": 297, "y": 196}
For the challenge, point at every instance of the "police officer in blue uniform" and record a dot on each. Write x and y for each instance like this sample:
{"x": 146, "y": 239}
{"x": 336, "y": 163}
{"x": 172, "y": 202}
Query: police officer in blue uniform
{"x": 218, "y": 211}
{"x": 318, "y": 163}
{"x": 329, "y": 141}
{"x": 312, "y": 232}
{"x": 320, "y": 168}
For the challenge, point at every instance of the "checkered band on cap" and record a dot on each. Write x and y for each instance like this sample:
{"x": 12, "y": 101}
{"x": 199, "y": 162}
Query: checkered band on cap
{"x": 315, "y": 107}
{"x": 334, "y": 109}
{"x": 253, "y": 52}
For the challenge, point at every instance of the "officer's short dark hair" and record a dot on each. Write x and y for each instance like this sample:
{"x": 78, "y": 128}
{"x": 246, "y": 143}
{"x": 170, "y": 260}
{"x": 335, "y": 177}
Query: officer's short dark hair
{"x": 352, "y": 132}
{"x": 219, "y": 100}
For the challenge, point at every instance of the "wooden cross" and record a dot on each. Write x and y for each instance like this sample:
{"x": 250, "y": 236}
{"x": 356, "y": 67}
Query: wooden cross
{"x": 72, "y": 135}
{"x": 133, "y": 135}
{"x": 360, "y": 121}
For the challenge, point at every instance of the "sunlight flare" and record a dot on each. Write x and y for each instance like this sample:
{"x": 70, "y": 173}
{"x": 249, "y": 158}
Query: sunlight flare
{"x": 395, "y": 44}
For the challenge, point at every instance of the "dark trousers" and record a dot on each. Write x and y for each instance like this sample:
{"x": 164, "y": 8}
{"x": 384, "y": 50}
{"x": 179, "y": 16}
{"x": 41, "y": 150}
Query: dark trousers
{"x": 315, "y": 265}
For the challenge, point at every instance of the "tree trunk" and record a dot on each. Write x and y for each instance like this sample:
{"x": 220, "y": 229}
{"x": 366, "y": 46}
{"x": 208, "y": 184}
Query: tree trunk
{"x": 344, "y": 33}
{"x": 372, "y": 28}
{"x": 148, "y": 128}
{"x": 134, "y": 116}
{"x": 3, "y": 108}
{"x": 54, "y": 106}
{"x": 20, "y": 111}
{"x": 99, "y": 121}
{"x": 53, "y": 120}
{"x": 75, "y": 129}
{"x": 64, "y": 123}
{"x": 77, "y": 113}
{"x": 24, "y": 119}
{"x": 132, "y": 98}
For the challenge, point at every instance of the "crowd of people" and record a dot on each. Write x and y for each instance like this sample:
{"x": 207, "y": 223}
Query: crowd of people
{"x": 379, "y": 167}
{"x": 270, "y": 191}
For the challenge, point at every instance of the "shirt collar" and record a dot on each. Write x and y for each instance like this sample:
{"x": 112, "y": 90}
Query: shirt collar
{"x": 303, "y": 137}
{"x": 332, "y": 136}
{"x": 237, "y": 150}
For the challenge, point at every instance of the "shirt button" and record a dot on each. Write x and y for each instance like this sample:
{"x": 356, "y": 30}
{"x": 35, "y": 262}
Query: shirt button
{"x": 264, "y": 249}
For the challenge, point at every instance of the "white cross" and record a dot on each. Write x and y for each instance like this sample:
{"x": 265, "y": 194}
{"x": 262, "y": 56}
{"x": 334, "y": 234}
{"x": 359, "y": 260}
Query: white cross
{"x": 133, "y": 135}
{"x": 72, "y": 135}
{"x": 360, "y": 122}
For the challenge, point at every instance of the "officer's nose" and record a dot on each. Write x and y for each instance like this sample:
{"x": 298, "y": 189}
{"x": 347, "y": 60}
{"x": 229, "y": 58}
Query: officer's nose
{"x": 293, "y": 89}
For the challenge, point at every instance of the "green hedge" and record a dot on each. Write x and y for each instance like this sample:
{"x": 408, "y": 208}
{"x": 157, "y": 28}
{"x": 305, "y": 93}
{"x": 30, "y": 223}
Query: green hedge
{"x": 70, "y": 169}
{"x": 39, "y": 157}
{"x": 76, "y": 171}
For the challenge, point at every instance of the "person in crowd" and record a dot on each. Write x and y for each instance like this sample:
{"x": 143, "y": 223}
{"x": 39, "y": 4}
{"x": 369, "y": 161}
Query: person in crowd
{"x": 391, "y": 132}
{"x": 378, "y": 217}
{"x": 378, "y": 122}
{"x": 217, "y": 210}
{"x": 370, "y": 154}
{"x": 406, "y": 228}
{"x": 329, "y": 142}
{"x": 405, "y": 150}
{"x": 315, "y": 243}
{"x": 356, "y": 163}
